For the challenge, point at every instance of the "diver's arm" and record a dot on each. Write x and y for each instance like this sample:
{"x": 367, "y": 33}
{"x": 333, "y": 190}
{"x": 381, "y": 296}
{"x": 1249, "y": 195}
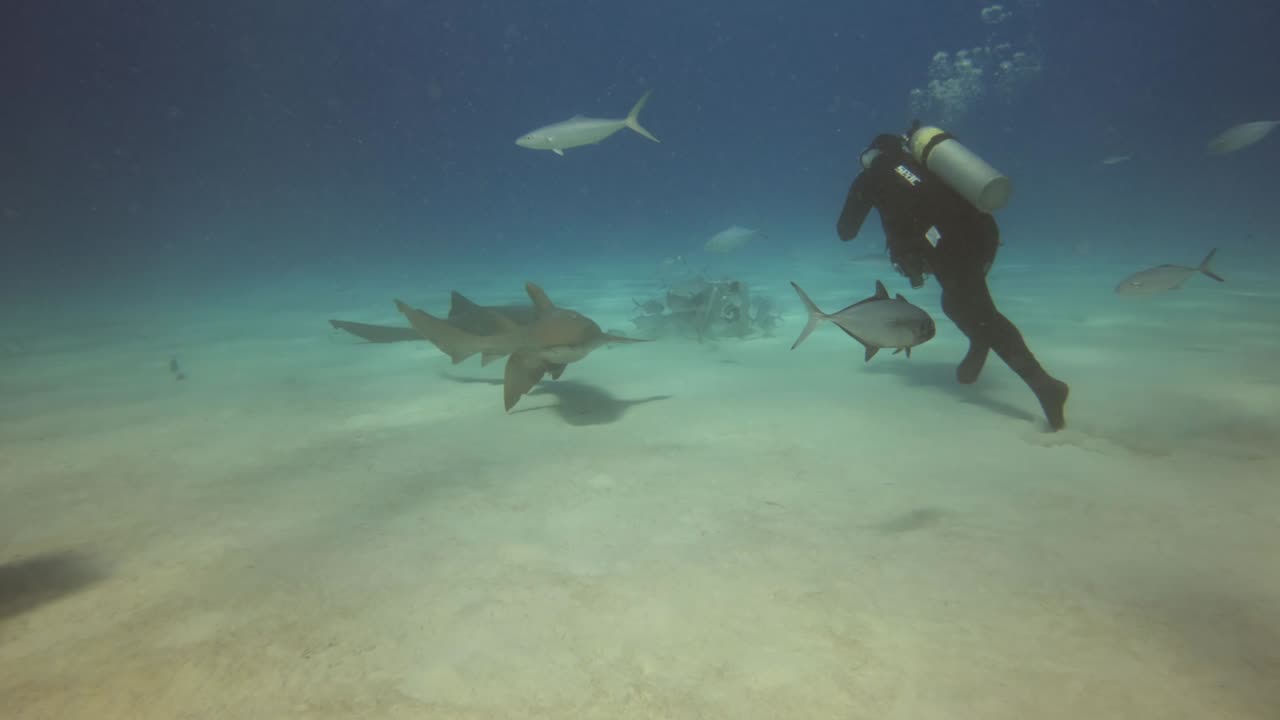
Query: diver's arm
{"x": 856, "y": 206}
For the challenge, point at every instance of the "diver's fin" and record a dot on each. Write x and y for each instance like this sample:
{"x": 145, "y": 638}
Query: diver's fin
{"x": 1204, "y": 266}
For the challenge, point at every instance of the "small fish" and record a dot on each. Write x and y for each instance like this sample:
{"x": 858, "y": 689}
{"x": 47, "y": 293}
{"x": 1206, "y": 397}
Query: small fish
{"x": 579, "y": 130}
{"x": 1116, "y": 159}
{"x": 1162, "y": 278}
{"x": 176, "y": 370}
{"x": 876, "y": 322}
{"x": 731, "y": 239}
{"x": 1241, "y": 136}
{"x": 648, "y": 307}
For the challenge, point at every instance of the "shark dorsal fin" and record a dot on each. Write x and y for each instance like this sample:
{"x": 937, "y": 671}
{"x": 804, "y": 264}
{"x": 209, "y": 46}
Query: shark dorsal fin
{"x": 541, "y": 302}
{"x": 881, "y": 292}
{"x": 459, "y": 304}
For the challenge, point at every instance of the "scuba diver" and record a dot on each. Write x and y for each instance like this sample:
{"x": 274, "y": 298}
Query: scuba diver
{"x": 935, "y": 199}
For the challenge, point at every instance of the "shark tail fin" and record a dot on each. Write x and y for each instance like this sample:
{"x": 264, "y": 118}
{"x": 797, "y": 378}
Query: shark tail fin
{"x": 815, "y": 316}
{"x": 633, "y": 117}
{"x": 1204, "y": 266}
{"x": 455, "y": 343}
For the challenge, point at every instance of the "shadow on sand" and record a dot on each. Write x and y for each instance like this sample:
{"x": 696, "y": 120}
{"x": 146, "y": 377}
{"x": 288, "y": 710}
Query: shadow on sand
{"x": 579, "y": 404}
{"x": 30, "y": 583}
{"x": 942, "y": 376}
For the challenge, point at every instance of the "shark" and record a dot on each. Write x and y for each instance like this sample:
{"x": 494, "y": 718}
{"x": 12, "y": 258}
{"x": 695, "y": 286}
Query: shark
{"x": 579, "y": 130}
{"x": 463, "y": 314}
{"x": 555, "y": 338}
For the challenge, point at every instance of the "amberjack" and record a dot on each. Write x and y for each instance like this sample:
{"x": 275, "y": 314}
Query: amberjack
{"x": 579, "y": 130}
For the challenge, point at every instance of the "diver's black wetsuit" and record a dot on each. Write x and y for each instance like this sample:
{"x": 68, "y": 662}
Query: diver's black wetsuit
{"x": 910, "y": 200}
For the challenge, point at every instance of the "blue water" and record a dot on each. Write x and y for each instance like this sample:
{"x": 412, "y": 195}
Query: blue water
{"x": 256, "y": 137}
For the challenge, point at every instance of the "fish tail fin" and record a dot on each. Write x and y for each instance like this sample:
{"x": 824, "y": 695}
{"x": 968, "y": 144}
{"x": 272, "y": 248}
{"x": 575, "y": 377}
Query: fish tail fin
{"x": 455, "y": 343}
{"x": 633, "y": 117}
{"x": 1204, "y": 266}
{"x": 815, "y": 316}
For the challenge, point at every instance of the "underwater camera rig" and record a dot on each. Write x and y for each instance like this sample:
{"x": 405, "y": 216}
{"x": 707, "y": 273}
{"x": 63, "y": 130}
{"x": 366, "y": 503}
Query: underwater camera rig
{"x": 706, "y": 309}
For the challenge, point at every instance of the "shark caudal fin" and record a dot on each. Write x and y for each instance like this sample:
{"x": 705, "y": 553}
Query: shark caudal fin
{"x": 816, "y": 316}
{"x": 455, "y": 343}
{"x": 633, "y": 117}
{"x": 1204, "y": 266}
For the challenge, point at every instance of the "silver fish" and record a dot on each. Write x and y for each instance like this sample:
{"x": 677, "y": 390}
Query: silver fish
{"x": 1162, "y": 278}
{"x": 1241, "y": 136}
{"x": 877, "y": 322}
{"x": 730, "y": 239}
{"x": 578, "y": 131}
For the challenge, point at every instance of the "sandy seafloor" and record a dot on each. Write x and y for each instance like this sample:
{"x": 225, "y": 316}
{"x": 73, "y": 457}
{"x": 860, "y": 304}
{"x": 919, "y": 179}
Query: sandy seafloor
{"x": 311, "y": 527}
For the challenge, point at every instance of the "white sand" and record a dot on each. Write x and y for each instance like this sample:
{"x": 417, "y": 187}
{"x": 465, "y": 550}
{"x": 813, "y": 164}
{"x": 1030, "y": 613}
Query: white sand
{"x": 308, "y": 527}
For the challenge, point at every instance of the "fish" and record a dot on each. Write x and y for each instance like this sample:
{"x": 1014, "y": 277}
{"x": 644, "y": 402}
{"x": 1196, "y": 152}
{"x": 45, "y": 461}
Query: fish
{"x": 556, "y": 337}
{"x": 176, "y": 370}
{"x": 1116, "y": 159}
{"x": 1241, "y": 136}
{"x": 1162, "y": 278}
{"x": 730, "y": 239}
{"x": 649, "y": 307}
{"x": 579, "y": 130}
{"x": 876, "y": 322}
{"x": 463, "y": 314}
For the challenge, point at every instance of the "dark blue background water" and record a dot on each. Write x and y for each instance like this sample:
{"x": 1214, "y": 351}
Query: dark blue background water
{"x": 246, "y": 135}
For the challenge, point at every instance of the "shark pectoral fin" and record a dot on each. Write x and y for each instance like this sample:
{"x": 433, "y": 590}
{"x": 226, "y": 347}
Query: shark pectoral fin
{"x": 871, "y": 352}
{"x": 541, "y": 302}
{"x": 556, "y": 371}
{"x": 522, "y": 373}
{"x": 558, "y": 151}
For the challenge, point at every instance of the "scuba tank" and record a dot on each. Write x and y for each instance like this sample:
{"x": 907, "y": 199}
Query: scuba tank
{"x": 957, "y": 166}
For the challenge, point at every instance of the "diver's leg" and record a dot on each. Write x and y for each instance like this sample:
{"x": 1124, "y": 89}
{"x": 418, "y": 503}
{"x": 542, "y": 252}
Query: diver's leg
{"x": 967, "y": 301}
{"x": 971, "y": 366}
